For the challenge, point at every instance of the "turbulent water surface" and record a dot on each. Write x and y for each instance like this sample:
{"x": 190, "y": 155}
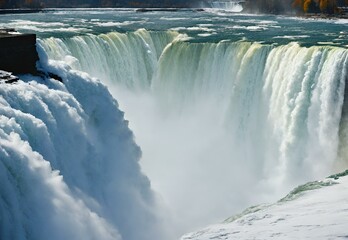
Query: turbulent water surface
{"x": 228, "y": 110}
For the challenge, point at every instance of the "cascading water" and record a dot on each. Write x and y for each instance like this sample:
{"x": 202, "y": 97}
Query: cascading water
{"x": 68, "y": 163}
{"x": 233, "y": 6}
{"x": 227, "y": 109}
{"x": 219, "y": 123}
{"x": 140, "y": 49}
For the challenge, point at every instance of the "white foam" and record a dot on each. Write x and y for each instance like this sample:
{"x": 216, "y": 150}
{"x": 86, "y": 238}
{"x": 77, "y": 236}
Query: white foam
{"x": 173, "y": 18}
{"x": 292, "y": 37}
{"x": 117, "y": 24}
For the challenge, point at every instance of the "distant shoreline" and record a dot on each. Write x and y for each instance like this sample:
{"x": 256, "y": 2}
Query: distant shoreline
{"x": 324, "y": 16}
{"x": 155, "y": 9}
{"x": 20, "y": 11}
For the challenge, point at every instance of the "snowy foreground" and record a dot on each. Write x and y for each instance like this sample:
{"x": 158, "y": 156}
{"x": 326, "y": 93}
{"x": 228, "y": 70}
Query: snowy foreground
{"x": 316, "y": 210}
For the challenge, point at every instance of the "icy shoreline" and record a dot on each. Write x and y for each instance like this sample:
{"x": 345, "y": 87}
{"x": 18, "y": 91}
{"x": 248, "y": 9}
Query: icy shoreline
{"x": 318, "y": 211}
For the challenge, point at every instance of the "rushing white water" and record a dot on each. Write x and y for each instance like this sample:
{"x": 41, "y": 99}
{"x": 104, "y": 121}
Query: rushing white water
{"x": 68, "y": 163}
{"x": 233, "y": 6}
{"x": 123, "y": 52}
{"x": 221, "y": 125}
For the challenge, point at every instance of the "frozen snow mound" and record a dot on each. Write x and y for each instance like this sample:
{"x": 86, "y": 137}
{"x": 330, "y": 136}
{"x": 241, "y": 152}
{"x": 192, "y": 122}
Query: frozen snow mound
{"x": 316, "y": 210}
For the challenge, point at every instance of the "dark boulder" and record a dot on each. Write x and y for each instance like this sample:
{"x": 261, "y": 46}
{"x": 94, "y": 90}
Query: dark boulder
{"x": 18, "y": 52}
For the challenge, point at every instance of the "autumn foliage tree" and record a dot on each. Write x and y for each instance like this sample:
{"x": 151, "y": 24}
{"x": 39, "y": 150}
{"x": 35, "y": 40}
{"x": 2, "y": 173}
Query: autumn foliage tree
{"x": 324, "y": 6}
{"x": 2, "y": 3}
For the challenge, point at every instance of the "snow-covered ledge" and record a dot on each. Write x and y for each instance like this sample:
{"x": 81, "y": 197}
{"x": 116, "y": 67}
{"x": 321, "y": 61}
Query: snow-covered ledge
{"x": 317, "y": 210}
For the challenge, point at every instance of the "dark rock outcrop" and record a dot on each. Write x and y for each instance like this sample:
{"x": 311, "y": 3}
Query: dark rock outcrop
{"x": 18, "y": 52}
{"x": 6, "y": 77}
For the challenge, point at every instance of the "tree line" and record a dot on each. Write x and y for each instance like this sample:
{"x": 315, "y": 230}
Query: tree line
{"x": 93, "y": 3}
{"x": 324, "y": 6}
{"x": 297, "y": 6}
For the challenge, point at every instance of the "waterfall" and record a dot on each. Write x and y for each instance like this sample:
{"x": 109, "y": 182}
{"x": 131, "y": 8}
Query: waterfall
{"x": 122, "y": 52}
{"x": 68, "y": 162}
{"x": 220, "y": 123}
{"x": 233, "y": 6}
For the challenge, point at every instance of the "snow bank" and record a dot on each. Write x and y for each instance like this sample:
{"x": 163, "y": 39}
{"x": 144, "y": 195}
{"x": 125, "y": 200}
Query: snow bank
{"x": 316, "y": 210}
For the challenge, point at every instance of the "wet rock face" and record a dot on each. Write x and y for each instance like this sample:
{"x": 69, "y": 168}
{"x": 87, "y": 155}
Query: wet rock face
{"x": 18, "y": 52}
{"x": 6, "y": 77}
